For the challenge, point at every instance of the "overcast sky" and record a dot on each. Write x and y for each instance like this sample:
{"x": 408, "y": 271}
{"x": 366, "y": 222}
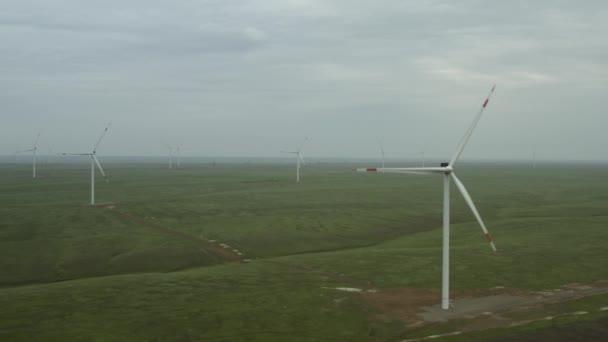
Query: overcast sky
{"x": 252, "y": 77}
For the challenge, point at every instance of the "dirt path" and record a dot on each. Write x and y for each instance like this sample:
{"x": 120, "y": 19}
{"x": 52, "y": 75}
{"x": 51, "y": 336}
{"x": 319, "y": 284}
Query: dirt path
{"x": 225, "y": 254}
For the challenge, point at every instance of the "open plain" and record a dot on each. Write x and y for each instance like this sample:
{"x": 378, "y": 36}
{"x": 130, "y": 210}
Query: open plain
{"x": 239, "y": 251}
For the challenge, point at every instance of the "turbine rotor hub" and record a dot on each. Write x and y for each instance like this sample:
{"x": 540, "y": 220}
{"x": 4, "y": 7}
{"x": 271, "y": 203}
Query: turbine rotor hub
{"x": 448, "y": 168}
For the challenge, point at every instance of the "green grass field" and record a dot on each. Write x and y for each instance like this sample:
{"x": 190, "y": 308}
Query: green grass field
{"x": 141, "y": 267}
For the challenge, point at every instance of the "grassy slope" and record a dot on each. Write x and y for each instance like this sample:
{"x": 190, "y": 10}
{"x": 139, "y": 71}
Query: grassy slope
{"x": 551, "y": 231}
{"x": 234, "y": 302}
{"x": 256, "y": 209}
{"x": 539, "y": 253}
{"x": 257, "y": 301}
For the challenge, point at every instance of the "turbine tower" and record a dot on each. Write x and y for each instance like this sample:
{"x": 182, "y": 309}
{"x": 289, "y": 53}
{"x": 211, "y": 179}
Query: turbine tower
{"x": 447, "y": 171}
{"x": 33, "y": 150}
{"x": 381, "y": 151}
{"x": 94, "y": 161}
{"x": 299, "y": 159}
{"x": 170, "y": 149}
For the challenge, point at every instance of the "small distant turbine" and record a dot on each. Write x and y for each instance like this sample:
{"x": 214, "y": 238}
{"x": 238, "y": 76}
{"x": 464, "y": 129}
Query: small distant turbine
{"x": 299, "y": 158}
{"x": 381, "y": 151}
{"x": 94, "y": 162}
{"x": 423, "y": 157}
{"x": 33, "y": 150}
{"x": 170, "y": 149}
{"x": 447, "y": 171}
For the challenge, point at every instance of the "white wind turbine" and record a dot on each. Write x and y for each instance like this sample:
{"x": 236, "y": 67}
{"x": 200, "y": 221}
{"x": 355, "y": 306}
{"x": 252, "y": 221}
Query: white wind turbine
{"x": 94, "y": 162}
{"x": 381, "y": 151}
{"x": 33, "y": 150}
{"x": 299, "y": 158}
{"x": 422, "y": 155}
{"x": 170, "y": 149}
{"x": 447, "y": 171}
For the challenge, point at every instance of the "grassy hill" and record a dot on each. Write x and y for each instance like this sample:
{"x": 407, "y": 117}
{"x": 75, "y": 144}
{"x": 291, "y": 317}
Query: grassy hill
{"x": 148, "y": 264}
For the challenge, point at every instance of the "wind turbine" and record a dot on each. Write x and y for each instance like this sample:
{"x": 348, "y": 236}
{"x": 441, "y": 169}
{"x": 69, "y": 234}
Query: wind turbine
{"x": 422, "y": 155}
{"x": 299, "y": 159}
{"x": 33, "y": 150}
{"x": 447, "y": 171}
{"x": 170, "y": 154}
{"x": 381, "y": 151}
{"x": 94, "y": 162}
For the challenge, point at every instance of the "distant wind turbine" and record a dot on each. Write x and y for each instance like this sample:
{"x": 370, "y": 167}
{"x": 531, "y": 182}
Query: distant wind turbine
{"x": 170, "y": 149}
{"x": 381, "y": 151}
{"x": 422, "y": 157}
{"x": 299, "y": 158}
{"x": 33, "y": 150}
{"x": 94, "y": 162}
{"x": 447, "y": 171}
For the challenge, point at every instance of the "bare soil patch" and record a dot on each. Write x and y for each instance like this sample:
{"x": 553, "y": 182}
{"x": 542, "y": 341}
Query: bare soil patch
{"x": 482, "y": 309}
{"x": 400, "y": 304}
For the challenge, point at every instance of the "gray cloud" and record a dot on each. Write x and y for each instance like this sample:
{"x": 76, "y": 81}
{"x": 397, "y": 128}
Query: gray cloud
{"x": 253, "y": 77}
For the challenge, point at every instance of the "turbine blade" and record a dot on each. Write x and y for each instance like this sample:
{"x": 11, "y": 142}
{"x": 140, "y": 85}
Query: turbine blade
{"x": 75, "y": 154}
{"x": 36, "y": 142}
{"x": 302, "y": 145}
{"x": 381, "y": 147}
{"x": 469, "y": 132}
{"x": 469, "y": 200}
{"x": 290, "y": 152}
{"x": 301, "y": 158}
{"x": 99, "y": 166}
{"x": 164, "y": 143}
{"x": 105, "y": 131}
{"x": 408, "y": 170}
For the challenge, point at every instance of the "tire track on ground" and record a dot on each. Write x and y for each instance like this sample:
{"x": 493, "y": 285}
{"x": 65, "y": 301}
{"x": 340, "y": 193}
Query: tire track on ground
{"x": 224, "y": 254}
